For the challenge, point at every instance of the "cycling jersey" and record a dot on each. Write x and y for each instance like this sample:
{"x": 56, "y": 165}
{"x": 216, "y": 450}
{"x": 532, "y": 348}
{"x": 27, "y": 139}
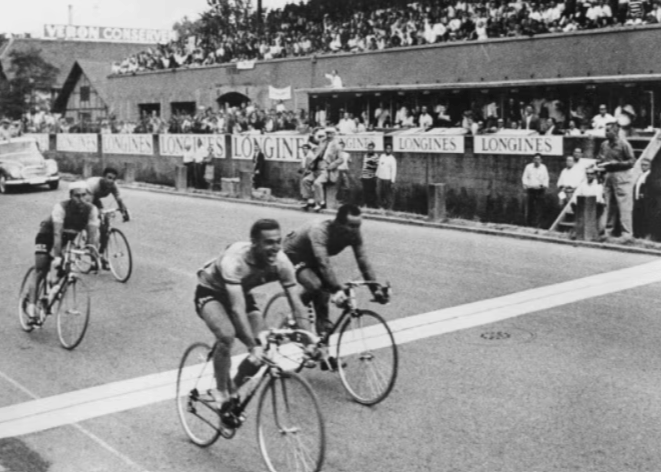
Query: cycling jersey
{"x": 236, "y": 266}
{"x": 316, "y": 241}
{"x": 101, "y": 188}
{"x": 73, "y": 217}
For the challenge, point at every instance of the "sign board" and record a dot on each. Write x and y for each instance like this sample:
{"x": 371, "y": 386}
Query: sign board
{"x": 106, "y": 33}
{"x": 77, "y": 142}
{"x": 42, "y": 140}
{"x": 358, "y": 142}
{"x": 524, "y": 145}
{"x": 175, "y": 144}
{"x": 442, "y": 144}
{"x": 142, "y": 144}
{"x": 276, "y": 147}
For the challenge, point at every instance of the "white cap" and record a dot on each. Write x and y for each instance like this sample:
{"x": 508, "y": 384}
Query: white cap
{"x": 79, "y": 185}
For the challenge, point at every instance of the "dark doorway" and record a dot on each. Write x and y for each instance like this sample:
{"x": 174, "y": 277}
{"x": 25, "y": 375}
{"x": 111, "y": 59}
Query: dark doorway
{"x": 232, "y": 99}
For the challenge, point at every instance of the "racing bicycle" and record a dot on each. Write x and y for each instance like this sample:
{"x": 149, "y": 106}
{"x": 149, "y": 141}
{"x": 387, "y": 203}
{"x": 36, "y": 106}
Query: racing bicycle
{"x": 68, "y": 298}
{"x": 366, "y": 353}
{"x": 290, "y": 427}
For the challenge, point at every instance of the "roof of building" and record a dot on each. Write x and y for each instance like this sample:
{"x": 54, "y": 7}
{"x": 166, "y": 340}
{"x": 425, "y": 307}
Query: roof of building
{"x": 62, "y": 53}
{"x": 96, "y": 72}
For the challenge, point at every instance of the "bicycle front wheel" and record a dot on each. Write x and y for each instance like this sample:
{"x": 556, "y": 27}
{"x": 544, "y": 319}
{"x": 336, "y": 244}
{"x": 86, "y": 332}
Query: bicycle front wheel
{"x": 195, "y": 376}
{"x": 84, "y": 263}
{"x": 23, "y": 298}
{"x": 118, "y": 254}
{"x": 290, "y": 428}
{"x": 73, "y": 313}
{"x": 367, "y": 357}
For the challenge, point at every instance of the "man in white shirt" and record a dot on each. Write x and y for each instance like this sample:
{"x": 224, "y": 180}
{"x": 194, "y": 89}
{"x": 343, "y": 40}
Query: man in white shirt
{"x": 535, "y": 181}
{"x": 570, "y": 179}
{"x": 346, "y": 125}
{"x": 189, "y": 163}
{"x": 386, "y": 172}
{"x": 335, "y": 80}
{"x": 602, "y": 119}
{"x": 201, "y": 157}
{"x": 425, "y": 120}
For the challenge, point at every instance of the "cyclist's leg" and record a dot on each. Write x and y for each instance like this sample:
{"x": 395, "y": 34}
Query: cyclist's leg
{"x": 42, "y": 260}
{"x": 313, "y": 291}
{"x": 103, "y": 228}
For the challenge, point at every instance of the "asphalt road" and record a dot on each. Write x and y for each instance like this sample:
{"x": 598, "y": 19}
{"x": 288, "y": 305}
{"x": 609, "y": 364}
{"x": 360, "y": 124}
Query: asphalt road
{"x": 569, "y": 388}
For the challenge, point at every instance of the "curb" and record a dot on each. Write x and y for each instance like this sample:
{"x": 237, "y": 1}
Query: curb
{"x": 209, "y": 195}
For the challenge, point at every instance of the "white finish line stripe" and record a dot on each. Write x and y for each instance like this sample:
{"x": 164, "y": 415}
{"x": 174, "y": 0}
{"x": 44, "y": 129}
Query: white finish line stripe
{"x": 73, "y": 407}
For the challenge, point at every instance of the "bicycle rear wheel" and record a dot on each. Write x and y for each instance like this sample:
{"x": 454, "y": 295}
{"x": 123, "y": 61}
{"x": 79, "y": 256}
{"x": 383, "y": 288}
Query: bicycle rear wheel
{"x": 368, "y": 353}
{"x": 195, "y": 376}
{"x": 23, "y": 297}
{"x": 118, "y": 254}
{"x": 290, "y": 428}
{"x": 73, "y": 312}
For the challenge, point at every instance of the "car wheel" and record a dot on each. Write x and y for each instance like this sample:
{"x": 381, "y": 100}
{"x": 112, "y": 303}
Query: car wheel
{"x": 3, "y": 184}
{"x": 54, "y": 185}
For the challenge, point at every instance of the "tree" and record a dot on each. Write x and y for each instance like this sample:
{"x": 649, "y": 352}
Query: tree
{"x": 30, "y": 74}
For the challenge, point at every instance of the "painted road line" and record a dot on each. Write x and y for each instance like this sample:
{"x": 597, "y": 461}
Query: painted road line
{"x": 73, "y": 407}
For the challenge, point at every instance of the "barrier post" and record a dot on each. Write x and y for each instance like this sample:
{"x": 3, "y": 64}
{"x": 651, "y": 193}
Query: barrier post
{"x": 245, "y": 184}
{"x": 129, "y": 172}
{"x": 436, "y": 202}
{"x": 180, "y": 179}
{"x": 587, "y": 223}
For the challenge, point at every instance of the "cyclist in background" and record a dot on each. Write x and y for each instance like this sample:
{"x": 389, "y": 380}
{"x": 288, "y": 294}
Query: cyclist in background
{"x": 66, "y": 220}
{"x": 101, "y": 187}
{"x": 310, "y": 247}
{"x": 224, "y": 302}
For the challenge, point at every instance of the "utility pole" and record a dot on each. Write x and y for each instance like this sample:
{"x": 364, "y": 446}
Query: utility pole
{"x": 70, "y": 14}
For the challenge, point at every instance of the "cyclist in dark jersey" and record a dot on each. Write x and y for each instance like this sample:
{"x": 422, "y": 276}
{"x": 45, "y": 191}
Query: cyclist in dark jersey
{"x": 66, "y": 220}
{"x": 310, "y": 248}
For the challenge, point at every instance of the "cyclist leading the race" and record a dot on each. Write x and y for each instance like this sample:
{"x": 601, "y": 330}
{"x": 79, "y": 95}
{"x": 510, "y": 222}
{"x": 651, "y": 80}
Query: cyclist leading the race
{"x": 223, "y": 299}
{"x": 310, "y": 247}
{"x": 101, "y": 187}
{"x": 66, "y": 220}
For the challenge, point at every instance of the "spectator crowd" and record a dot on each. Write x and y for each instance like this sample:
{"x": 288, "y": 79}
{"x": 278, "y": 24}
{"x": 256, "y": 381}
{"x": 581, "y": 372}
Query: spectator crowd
{"x": 343, "y": 26}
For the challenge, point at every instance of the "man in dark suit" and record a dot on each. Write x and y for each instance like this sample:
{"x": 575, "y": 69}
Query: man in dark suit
{"x": 530, "y": 120}
{"x": 640, "y": 219}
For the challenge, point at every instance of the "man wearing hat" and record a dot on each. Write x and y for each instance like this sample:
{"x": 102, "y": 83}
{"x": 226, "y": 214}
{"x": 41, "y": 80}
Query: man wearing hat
{"x": 328, "y": 160}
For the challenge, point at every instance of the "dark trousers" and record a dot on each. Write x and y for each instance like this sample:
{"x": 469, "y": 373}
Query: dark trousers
{"x": 343, "y": 187}
{"x": 535, "y": 207}
{"x": 384, "y": 193}
{"x": 369, "y": 192}
{"x": 199, "y": 175}
{"x": 640, "y": 223}
{"x": 190, "y": 174}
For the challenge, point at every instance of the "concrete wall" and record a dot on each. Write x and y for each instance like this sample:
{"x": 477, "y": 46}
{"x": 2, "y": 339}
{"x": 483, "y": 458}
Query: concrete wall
{"x": 610, "y": 51}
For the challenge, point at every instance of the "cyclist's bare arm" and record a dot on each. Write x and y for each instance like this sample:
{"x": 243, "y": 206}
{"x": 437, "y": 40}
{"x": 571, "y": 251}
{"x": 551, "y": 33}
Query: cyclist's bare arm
{"x": 118, "y": 199}
{"x": 295, "y": 302}
{"x": 363, "y": 262}
{"x": 58, "y": 229}
{"x": 238, "y": 312}
{"x": 93, "y": 228}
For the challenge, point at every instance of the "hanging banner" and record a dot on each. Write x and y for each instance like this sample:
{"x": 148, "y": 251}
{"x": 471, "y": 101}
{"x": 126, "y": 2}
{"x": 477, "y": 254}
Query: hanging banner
{"x": 42, "y": 140}
{"x": 437, "y": 144}
{"x": 276, "y": 147}
{"x": 523, "y": 145}
{"x": 245, "y": 65}
{"x": 358, "y": 142}
{"x": 77, "y": 142}
{"x": 142, "y": 144}
{"x": 280, "y": 93}
{"x": 105, "y": 33}
{"x": 175, "y": 144}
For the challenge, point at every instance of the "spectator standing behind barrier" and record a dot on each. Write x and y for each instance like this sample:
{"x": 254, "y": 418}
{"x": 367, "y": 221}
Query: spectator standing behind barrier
{"x": 386, "y": 173}
{"x": 200, "y": 158}
{"x": 530, "y": 121}
{"x": 259, "y": 166}
{"x": 327, "y": 159}
{"x": 570, "y": 179}
{"x": 601, "y": 120}
{"x": 335, "y": 80}
{"x": 535, "y": 182}
{"x": 343, "y": 177}
{"x": 209, "y": 175}
{"x": 368, "y": 176}
{"x": 640, "y": 220}
{"x": 189, "y": 163}
{"x": 616, "y": 158}
{"x": 592, "y": 188}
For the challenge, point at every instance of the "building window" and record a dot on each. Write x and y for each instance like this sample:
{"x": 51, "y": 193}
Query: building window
{"x": 84, "y": 93}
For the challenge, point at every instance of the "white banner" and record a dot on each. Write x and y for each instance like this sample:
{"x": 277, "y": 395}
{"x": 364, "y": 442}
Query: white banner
{"x": 276, "y": 147}
{"x": 77, "y": 142}
{"x": 245, "y": 65}
{"x": 358, "y": 142}
{"x": 524, "y": 145}
{"x": 128, "y": 144}
{"x": 280, "y": 93}
{"x": 41, "y": 139}
{"x": 428, "y": 143}
{"x": 174, "y": 144}
{"x": 105, "y": 33}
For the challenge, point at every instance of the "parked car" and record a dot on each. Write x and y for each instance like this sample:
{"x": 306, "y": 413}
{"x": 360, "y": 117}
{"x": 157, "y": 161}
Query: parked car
{"x": 22, "y": 164}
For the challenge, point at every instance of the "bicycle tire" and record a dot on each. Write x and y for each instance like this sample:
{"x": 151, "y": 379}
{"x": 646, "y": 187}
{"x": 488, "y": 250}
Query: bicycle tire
{"x": 194, "y": 376}
{"x": 300, "y": 409}
{"x": 73, "y": 313}
{"x": 84, "y": 263}
{"x": 117, "y": 249}
{"x": 23, "y": 295}
{"x": 361, "y": 334}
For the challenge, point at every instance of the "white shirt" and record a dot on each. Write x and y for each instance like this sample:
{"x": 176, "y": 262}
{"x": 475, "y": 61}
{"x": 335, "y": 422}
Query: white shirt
{"x": 346, "y": 126}
{"x": 387, "y": 168}
{"x": 594, "y": 189}
{"x": 535, "y": 177}
{"x": 200, "y": 155}
{"x": 336, "y": 81}
{"x": 599, "y": 122}
{"x": 571, "y": 178}
{"x": 346, "y": 158}
{"x": 426, "y": 121}
{"x": 189, "y": 156}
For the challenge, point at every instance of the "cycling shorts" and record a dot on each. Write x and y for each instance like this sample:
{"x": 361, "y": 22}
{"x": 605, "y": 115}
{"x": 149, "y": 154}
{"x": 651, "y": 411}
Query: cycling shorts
{"x": 204, "y": 295}
{"x": 43, "y": 242}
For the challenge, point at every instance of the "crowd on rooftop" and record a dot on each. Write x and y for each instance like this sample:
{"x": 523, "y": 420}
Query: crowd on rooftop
{"x": 343, "y": 26}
